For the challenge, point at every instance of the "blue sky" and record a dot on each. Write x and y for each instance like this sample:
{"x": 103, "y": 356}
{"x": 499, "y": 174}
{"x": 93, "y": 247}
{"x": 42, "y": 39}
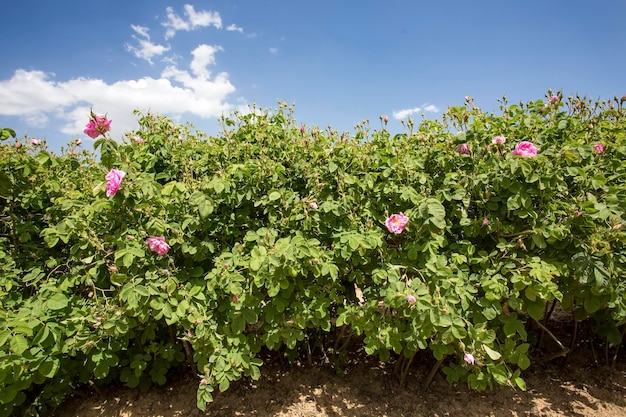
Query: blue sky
{"x": 339, "y": 62}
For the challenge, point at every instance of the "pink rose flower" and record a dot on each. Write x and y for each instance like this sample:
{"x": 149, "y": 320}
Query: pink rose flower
{"x": 386, "y": 119}
{"x": 98, "y": 125}
{"x": 79, "y": 142}
{"x": 498, "y": 140}
{"x": 468, "y": 98}
{"x": 554, "y": 99}
{"x": 463, "y": 149}
{"x": 302, "y": 129}
{"x": 158, "y": 245}
{"x": 469, "y": 358}
{"x": 598, "y": 148}
{"x": 396, "y": 223}
{"x": 114, "y": 180}
{"x": 485, "y": 222}
{"x": 35, "y": 142}
{"x": 525, "y": 149}
{"x": 313, "y": 206}
{"x": 411, "y": 299}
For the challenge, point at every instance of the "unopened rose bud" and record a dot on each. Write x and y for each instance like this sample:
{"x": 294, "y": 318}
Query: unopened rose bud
{"x": 410, "y": 299}
{"x": 386, "y": 119}
{"x": 302, "y": 129}
{"x": 130, "y": 237}
{"x": 112, "y": 268}
{"x": 235, "y": 299}
{"x": 554, "y": 99}
{"x": 468, "y": 98}
{"x": 313, "y": 206}
{"x": 18, "y": 145}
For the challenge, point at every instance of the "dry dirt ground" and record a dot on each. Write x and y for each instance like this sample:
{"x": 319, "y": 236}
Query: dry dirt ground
{"x": 579, "y": 385}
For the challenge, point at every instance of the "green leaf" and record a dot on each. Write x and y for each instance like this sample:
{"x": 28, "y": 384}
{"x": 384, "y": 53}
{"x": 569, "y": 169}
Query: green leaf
{"x": 18, "y": 344}
{"x": 57, "y": 302}
{"x": 492, "y": 353}
{"x": 274, "y": 195}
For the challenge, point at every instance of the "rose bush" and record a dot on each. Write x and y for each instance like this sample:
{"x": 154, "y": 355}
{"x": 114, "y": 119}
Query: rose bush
{"x": 271, "y": 237}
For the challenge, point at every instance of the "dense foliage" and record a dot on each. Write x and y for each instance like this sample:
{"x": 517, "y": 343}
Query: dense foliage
{"x": 176, "y": 249}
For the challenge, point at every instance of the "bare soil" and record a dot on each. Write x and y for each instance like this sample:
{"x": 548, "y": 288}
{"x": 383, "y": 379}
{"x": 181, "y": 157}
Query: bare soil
{"x": 581, "y": 384}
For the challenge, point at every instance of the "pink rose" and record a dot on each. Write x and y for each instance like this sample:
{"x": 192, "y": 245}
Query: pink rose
{"x": 313, "y": 206}
{"x": 35, "y": 142}
{"x": 485, "y": 222}
{"x": 114, "y": 180}
{"x": 468, "y": 98}
{"x": 396, "y": 223}
{"x": 598, "y": 148}
{"x": 554, "y": 99}
{"x": 411, "y": 299}
{"x": 386, "y": 119}
{"x": 463, "y": 149}
{"x": 525, "y": 149}
{"x": 302, "y": 129}
{"x": 469, "y": 358}
{"x": 79, "y": 142}
{"x": 98, "y": 125}
{"x": 158, "y": 245}
{"x": 498, "y": 140}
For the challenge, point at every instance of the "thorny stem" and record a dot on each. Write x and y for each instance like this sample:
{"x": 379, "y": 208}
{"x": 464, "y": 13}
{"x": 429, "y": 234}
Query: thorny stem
{"x": 433, "y": 372}
{"x": 564, "y": 351}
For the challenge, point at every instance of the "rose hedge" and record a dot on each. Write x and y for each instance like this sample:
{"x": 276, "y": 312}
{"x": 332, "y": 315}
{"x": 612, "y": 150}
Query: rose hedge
{"x": 175, "y": 247}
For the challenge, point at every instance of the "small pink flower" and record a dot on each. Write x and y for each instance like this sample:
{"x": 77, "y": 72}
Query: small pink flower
{"x": 158, "y": 245}
{"x": 525, "y": 149}
{"x": 469, "y": 358}
{"x": 386, "y": 119}
{"x": 79, "y": 142}
{"x": 485, "y": 222}
{"x": 138, "y": 139}
{"x": 313, "y": 206}
{"x": 554, "y": 99}
{"x": 411, "y": 299}
{"x": 114, "y": 180}
{"x": 18, "y": 145}
{"x": 396, "y": 223}
{"x": 463, "y": 149}
{"x": 577, "y": 213}
{"x": 598, "y": 148}
{"x": 235, "y": 299}
{"x": 98, "y": 125}
{"x": 112, "y": 269}
{"x": 468, "y": 98}
{"x": 498, "y": 140}
{"x": 203, "y": 381}
{"x": 35, "y": 142}
{"x": 302, "y": 128}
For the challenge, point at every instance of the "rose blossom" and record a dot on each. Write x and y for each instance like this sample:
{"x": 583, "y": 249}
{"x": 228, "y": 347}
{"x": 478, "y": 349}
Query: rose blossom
{"x": 469, "y": 358}
{"x": 598, "y": 148}
{"x": 525, "y": 149}
{"x": 98, "y": 125}
{"x": 498, "y": 140}
{"x": 114, "y": 180}
{"x": 396, "y": 223}
{"x": 411, "y": 299}
{"x": 386, "y": 119}
{"x": 554, "y": 99}
{"x": 463, "y": 149}
{"x": 158, "y": 245}
{"x": 313, "y": 206}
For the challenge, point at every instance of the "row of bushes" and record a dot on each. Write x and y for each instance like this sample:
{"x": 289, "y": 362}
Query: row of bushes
{"x": 173, "y": 247}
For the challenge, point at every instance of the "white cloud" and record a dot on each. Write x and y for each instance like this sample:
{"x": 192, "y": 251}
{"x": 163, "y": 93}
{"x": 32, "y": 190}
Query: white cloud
{"x": 203, "y": 56}
{"x": 233, "y": 28}
{"x": 273, "y": 51}
{"x": 431, "y": 108}
{"x": 401, "y": 114}
{"x": 146, "y": 49}
{"x": 192, "y": 21}
{"x": 36, "y": 97}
